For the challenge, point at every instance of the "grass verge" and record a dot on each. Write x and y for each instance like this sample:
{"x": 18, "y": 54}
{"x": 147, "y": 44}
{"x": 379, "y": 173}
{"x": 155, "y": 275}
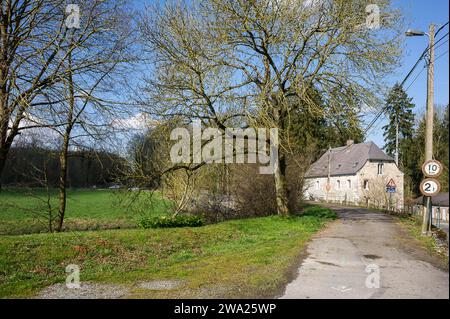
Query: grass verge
{"x": 430, "y": 243}
{"x": 236, "y": 259}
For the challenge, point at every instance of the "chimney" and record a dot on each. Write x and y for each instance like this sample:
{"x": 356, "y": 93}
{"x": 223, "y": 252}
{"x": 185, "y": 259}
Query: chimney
{"x": 350, "y": 142}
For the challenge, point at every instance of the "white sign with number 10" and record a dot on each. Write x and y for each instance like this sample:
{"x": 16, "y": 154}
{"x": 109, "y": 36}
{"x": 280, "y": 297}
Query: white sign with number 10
{"x": 432, "y": 168}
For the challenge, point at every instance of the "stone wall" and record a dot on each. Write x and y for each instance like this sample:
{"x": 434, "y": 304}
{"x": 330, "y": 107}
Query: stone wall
{"x": 376, "y": 194}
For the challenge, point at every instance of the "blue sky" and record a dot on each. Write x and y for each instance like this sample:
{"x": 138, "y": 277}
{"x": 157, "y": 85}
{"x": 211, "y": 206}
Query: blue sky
{"x": 418, "y": 14}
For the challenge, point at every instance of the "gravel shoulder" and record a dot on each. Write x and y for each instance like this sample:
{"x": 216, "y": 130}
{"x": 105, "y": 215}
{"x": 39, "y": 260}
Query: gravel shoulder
{"x": 91, "y": 290}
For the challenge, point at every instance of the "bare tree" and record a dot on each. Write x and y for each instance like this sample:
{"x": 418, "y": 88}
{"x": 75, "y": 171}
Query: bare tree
{"x": 102, "y": 55}
{"x": 35, "y": 48}
{"x": 32, "y": 33}
{"x": 217, "y": 60}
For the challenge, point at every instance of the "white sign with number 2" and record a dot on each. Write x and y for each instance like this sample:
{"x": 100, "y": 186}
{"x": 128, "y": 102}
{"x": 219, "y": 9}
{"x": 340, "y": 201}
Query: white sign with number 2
{"x": 430, "y": 187}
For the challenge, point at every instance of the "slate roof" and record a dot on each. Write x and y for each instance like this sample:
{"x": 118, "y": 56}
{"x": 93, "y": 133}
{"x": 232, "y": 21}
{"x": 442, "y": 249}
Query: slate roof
{"x": 347, "y": 160}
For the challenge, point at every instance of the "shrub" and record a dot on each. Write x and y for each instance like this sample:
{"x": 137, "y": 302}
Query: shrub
{"x": 255, "y": 193}
{"x": 171, "y": 221}
{"x": 320, "y": 212}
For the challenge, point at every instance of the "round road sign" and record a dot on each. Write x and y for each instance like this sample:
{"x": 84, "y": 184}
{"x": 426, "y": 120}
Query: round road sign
{"x": 432, "y": 168}
{"x": 430, "y": 187}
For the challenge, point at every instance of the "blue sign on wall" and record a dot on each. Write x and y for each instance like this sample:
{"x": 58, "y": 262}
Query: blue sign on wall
{"x": 390, "y": 189}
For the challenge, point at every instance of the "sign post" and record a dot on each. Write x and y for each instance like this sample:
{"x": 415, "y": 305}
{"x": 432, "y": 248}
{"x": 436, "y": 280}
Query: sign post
{"x": 429, "y": 187}
{"x": 328, "y": 188}
{"x": 391, "y": 187}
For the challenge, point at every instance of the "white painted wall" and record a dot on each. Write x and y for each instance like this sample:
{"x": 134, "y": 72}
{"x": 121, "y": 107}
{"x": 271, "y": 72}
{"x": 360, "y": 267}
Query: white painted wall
{"x": 345, "y": 192}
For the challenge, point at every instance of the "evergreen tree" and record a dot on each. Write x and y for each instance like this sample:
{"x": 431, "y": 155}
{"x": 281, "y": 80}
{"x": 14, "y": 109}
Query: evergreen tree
{"x": 330, "y": 128}
{"x": 399, "y": 109}
{"x": 441, "y": 143}
{"x": 416, "y": 152}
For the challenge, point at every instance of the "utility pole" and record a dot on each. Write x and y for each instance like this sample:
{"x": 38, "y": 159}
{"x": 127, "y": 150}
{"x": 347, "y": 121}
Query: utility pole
{"x": 426, "y": 225}
{"x": 328, "y": 186}
{"x": 396, "y": 140}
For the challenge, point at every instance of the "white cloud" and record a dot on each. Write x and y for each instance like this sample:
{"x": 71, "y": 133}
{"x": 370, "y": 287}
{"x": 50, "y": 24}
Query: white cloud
{"x": 30, "y": 132}
{"x": 139, "y": 121}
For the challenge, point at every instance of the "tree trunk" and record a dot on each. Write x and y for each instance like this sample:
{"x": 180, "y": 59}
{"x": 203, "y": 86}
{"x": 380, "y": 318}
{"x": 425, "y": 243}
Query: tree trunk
{"x": 7, "y": 134}
{"x": 3, "y": 133}
{"x": 65, "y": 149}
{"x": 5, "y": 146}
{"x": 281, "y": 189}
{"x": 2, "y": 166}
{"x": 62, "y": 182}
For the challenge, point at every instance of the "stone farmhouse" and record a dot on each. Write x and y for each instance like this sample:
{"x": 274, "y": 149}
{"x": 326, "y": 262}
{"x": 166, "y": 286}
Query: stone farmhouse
{"x": 356, "y": 174}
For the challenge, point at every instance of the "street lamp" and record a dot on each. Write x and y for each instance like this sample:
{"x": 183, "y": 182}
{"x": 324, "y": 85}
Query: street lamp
{"x": 414, "y": 33}
{"x": 426, "y": 225}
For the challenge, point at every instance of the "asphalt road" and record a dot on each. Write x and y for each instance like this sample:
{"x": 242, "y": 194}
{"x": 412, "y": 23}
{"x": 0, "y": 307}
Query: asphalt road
{"x": 366, "y": 254}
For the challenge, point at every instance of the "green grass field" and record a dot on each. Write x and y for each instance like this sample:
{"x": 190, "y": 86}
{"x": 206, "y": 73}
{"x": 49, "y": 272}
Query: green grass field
{"x": 237, "y": 259}
{"x": 23, "y": 211}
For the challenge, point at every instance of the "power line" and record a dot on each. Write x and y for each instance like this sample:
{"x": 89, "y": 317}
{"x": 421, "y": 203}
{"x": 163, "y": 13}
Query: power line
{"x": 442, "y": 43}
{"x": 441, "y": 55}
{"x": 414, "y": 80}
{"x": 442, "y": 27}
{"x": 421, "y": 57}
{"x": 410, "y": 72}
{"x": 426, "y": 65}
